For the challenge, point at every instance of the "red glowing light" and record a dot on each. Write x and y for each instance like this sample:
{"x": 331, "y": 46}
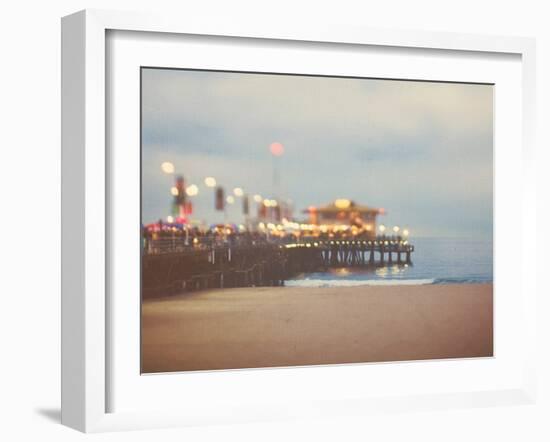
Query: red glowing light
{"x": 276, "y": 149}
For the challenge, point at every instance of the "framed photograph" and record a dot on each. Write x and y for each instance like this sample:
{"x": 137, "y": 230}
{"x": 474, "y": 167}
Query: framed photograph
{"x": 265, "y": 223}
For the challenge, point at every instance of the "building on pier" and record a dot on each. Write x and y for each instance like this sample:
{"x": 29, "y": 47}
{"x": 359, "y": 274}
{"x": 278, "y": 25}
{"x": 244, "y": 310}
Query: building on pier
{"x": 346, "y": 213}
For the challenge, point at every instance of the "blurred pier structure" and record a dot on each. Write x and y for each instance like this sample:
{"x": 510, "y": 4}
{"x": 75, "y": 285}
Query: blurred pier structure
{"x": 179, "y": 255}
{"x": 176, "y": 265}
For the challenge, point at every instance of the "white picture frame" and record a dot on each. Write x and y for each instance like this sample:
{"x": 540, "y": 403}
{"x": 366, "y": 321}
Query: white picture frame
{"x": 85, "y": 260}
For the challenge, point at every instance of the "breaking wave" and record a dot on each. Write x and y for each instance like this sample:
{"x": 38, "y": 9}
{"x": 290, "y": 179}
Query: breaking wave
{"x": 355, "y": 283}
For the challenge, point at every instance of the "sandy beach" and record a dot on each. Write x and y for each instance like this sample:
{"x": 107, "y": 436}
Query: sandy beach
{"x": 290, "y": 326}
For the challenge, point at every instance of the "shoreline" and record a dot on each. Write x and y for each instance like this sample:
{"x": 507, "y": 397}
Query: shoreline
{"x": 297, "y": 326}
{"x": 341, "y": 283}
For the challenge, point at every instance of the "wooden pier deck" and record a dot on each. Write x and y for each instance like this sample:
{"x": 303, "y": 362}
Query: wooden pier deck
{"x": 170, "y": 267}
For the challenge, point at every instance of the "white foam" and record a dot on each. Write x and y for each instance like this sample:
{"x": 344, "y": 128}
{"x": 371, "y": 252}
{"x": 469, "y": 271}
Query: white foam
{"x": 354, "y": 283}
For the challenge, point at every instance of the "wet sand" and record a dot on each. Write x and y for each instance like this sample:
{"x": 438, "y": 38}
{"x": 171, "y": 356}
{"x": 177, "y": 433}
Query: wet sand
{"x": 289, "y": 326}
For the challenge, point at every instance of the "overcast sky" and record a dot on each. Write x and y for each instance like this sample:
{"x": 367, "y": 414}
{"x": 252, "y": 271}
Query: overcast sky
{"x": 423, "y": 151}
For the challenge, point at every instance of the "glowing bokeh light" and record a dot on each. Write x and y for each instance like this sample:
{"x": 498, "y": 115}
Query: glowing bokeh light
{"x": 270, "y": 203}
{"x": 192, "y": 190}
{"x": 174, "y": 191}
{"x": 258, "y": 198}
{"x": 230, "y": 199}
{"x": 382, "y": 228}
{"x": 167, "y": 167}
{"x": 210, "y": 181}
{"x": 238, "y": 191}
{"x": 342, "y": 203}
{"x": 276, "y": 149}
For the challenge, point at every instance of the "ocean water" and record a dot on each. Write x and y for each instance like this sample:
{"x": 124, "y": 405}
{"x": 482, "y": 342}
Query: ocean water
{"x": 434, "y": 261}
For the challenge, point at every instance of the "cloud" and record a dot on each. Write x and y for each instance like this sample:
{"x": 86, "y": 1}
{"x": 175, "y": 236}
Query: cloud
{"x": 418, "y": 149}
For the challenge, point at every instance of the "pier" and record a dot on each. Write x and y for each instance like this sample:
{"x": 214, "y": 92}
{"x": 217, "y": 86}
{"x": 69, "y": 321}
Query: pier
{"x": 171, "y": 266}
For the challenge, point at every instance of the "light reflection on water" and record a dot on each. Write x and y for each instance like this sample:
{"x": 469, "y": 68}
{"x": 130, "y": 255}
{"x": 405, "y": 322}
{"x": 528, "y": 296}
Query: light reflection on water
{"x": 441, "y": 260}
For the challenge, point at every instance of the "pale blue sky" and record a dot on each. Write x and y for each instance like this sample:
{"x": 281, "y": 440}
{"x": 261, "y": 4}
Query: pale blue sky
{"x": 423, "y": 151}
